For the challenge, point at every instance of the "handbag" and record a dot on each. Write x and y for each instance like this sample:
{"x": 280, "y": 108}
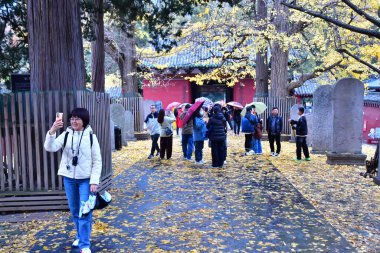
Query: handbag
{"x": 103, "y": 200}
{"x": 168, "y": 131}
{"x": 258, "y": 134}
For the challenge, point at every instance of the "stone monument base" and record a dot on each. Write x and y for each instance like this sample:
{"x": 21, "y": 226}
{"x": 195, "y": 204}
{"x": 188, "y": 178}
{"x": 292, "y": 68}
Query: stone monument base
{"x": 346, "y": 159}
{"x": 318, "y": 152}
{"x": 376, "y": 180}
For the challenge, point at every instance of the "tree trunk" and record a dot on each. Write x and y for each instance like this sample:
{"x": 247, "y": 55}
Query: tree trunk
{"x": 55, "y": 45}
{"x": 280, "y": 54}
{"x": 129, "y": 68}
{"x": 97, "y": 47}
{"x": 262, "y": 69}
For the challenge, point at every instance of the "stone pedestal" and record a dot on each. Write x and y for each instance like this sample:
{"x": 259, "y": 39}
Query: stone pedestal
{"x": 346, "y": 159}
{"x": 347, "y": 104}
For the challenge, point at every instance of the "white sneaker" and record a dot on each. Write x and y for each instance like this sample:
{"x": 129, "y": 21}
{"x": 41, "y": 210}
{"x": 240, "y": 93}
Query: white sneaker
{"x": 201, "y": 162}
{"x": 225, "y": 162}
{"x": 272, "y": 153}
{"x": 75, "y": 243}
{"x": 276, "y": 154}
{"x": 251, "y": 152}
{"x": 85, "y": 250}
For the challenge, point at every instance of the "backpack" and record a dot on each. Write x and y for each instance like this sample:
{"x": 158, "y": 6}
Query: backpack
{"x": 67, "y": 135}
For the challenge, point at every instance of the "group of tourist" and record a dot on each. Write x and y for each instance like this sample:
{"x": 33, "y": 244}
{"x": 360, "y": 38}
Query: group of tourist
{"x": 212, "y": 124}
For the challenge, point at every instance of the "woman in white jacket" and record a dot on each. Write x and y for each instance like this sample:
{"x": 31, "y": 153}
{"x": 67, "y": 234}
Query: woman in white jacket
{"x": 166, "y": 133}
{"x": 80, "y": 166}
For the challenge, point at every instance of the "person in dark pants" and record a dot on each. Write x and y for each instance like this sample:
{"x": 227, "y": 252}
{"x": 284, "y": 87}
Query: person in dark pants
{"x": 152, "y": 126}
{"x": 301, "y": 133}
{"x": 217, "y": 129}
{"x": 187, "y": 136}
{"x": 274, "y": 129}
{"x": 166, "y": 133}
{"x": 248, "y": 123}
{"x": 199, "y": 135}
{"x": 237, "y": 120}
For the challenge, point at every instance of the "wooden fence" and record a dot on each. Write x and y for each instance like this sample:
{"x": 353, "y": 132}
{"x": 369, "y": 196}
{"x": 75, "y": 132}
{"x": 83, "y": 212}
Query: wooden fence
{"x": 28, "y": 174}
{"x": 283, "y": 104}
{"x": 134, "y": 105}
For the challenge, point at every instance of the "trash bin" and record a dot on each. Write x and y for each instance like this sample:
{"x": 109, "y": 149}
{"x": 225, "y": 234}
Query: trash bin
{"x": 118, "y": 143}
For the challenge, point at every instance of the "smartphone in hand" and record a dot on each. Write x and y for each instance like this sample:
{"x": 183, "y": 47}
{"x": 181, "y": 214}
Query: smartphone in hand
{"x": 59, "y": 115}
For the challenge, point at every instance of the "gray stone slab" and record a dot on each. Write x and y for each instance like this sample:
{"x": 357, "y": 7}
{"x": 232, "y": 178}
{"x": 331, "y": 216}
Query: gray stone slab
{"x": 347, "y": 103}
{"x": 309, "y": 120}
{"x": 118, "y": 117}
{"x": 129, "y": 125}
{"x": 322, "y": 119}
{"x": 112, "y": 135}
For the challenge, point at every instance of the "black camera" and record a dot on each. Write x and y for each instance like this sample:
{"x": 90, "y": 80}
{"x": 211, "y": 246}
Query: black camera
{"x": 75, "y": 161}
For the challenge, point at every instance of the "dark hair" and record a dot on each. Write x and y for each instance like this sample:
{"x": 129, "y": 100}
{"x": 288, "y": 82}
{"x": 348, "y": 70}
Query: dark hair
{"x": 253, "y": 107}
{"x": 274, "y": 108}
{"x": 249, "y": 108}
{"x": 175, "y": 112}
{"x": 81, "y": 113}
{"x": 153, "y": 105}
{"x": 301, "y": 109}
{"x": 217, "y": 108}
{"x": 161, "y": 115}
{"x": 187, "y": 106}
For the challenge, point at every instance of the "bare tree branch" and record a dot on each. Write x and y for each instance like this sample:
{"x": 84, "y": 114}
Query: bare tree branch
{"x": 345, "y": 51}
{"x": 312, "y": 75}
{"x": 368, "y": 32}
{"x": 371, "y": 19}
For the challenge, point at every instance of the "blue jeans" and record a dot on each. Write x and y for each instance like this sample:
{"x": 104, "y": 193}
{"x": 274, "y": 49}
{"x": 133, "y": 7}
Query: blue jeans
{"x": 78, "y": 190}
{"x": 187, "y": 145}
{"x": 199, "y": 150}
{"x": 257, "y": 146}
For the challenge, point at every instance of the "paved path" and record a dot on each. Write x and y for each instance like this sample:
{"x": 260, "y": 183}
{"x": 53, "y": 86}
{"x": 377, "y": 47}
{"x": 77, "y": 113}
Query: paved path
{"x": 179, "y": 207}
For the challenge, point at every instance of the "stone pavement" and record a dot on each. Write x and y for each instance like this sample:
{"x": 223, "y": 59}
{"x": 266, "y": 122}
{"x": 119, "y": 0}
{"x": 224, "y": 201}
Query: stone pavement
{"x": 176, "y": 206}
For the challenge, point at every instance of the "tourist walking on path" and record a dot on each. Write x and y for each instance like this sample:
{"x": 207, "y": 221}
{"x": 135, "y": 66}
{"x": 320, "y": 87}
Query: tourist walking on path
{"x": 80, "y": 166}
{"x": 248, "y": 123}
{"x": 178, "y": 122}
{"x": 237, "y": 120}
{"x": 258, "y": 134}
{"x": 301, "y": 133}
{"x": 274, "y": 129}
{"x": 227, "y": 116}
{"x": 187, "y": 136}
{"x": 166, "y": 133}
{"x": 152, "y": 126}
{"x": 199, "y": 135}
{"x": 217, "y": 129}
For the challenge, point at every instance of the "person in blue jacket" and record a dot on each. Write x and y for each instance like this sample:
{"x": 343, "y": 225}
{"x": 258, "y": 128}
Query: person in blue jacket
{"x": 248, "y": 123}
{"x": 199, "y": 135}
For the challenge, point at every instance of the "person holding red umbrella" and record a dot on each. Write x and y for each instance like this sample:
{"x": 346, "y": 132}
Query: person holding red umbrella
{"x": 187, "y": 136}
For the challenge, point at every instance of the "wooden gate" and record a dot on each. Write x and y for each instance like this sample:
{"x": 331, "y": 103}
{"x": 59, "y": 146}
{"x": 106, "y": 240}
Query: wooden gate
{"x": 283, "y": 104}
{"x": 28, "y": 174}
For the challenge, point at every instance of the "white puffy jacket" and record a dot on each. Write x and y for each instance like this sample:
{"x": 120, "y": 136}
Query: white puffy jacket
{"x": 89, "y": 158}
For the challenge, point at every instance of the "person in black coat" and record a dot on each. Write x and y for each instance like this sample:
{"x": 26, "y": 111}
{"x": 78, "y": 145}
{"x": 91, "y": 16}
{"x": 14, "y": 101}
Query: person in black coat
{"x": 237, "y": 120}
{"x": 274, "y": 129}
{"x": 301, "y": 133}
{"x": 227, "y": 116}
{"x": 217, "y": 129}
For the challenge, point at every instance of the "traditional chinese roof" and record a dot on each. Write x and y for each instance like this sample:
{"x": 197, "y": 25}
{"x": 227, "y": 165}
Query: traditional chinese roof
{"x": 372, "y": 98}
{"x": 192, "y": 57}
{"x": 373, "y": 83}
{"x": 307, "y": 89}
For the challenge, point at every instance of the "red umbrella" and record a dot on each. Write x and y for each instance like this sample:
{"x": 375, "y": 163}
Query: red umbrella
{"x": 191, "y": 111}
{"x": 235, "y": 104}
{"x": 172, "y": 105}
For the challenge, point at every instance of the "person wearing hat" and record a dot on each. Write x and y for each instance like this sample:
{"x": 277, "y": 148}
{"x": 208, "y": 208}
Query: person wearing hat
{"x": 80, "y": 167}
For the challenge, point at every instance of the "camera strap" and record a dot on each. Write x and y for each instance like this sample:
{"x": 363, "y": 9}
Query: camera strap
{"x": 72, "y": 143}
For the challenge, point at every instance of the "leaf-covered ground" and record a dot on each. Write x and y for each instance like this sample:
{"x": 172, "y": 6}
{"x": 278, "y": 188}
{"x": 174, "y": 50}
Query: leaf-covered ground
{"x": 248, "y": 206}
